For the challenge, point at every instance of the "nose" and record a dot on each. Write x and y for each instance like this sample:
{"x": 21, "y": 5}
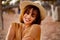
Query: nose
{"x": 30, "y": 13}
{"x": 29, "y": 16}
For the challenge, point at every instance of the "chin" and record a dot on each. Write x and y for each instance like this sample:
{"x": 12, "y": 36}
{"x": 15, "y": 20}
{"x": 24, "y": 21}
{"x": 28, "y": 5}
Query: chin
{"x": 29, "y": 22}
{"x": 26, "y": 22}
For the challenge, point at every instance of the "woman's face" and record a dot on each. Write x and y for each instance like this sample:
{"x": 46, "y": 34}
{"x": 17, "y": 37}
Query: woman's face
{"x": 29, "y": 16}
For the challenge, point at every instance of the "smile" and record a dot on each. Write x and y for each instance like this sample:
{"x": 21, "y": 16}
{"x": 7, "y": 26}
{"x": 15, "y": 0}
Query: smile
{"x": 27, "y": 20}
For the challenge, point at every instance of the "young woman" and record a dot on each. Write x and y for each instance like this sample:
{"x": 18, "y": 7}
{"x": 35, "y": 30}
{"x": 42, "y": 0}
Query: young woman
{"x": 29, "y": 26}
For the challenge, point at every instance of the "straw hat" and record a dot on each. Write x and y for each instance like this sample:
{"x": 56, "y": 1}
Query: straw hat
{"x": 26, "y": 3}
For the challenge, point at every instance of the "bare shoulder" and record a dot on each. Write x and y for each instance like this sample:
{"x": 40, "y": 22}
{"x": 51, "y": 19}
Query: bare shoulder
{"x": 35, "y": 30}
{"x": 35, "y": 26}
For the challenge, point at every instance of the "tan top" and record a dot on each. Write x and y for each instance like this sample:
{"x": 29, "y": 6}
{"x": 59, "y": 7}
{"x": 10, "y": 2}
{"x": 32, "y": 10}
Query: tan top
{"x": 17, "y": 32}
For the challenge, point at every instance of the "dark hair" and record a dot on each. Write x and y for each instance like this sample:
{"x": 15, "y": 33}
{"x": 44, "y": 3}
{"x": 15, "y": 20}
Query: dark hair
{"x": 38, "y": 17}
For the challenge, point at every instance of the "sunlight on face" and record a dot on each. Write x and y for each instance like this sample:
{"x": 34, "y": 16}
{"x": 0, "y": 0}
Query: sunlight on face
{"x": 29, "y": 16}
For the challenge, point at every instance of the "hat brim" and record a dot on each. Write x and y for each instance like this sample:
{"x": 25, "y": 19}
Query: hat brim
{"x": 26, "y": 3}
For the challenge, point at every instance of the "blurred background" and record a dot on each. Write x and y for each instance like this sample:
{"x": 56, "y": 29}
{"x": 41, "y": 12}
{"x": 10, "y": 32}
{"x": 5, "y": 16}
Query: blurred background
{"x": 10, "y": 10}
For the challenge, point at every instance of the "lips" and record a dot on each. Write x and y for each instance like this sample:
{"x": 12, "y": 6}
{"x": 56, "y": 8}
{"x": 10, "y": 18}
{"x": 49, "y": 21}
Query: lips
{"x": 27, "y": 20}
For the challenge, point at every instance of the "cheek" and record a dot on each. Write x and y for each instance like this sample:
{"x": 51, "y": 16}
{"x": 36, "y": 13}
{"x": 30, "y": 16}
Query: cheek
{"x": 33, "y": 18}
{"x": 24, "y": 16}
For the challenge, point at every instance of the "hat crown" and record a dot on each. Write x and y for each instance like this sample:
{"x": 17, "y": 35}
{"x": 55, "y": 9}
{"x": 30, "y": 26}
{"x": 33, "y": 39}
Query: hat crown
{"x": 38, "y": 2}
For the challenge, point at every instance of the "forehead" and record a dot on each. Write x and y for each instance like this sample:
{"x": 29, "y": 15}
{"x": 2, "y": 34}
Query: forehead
{"x": 31, "y": 9}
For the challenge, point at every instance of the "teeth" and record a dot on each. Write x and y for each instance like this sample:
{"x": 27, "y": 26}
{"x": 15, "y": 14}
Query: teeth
{"x": 27, "y": 20}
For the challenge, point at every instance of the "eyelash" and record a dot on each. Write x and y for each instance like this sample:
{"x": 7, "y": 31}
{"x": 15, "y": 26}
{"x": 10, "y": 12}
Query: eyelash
{"x": 27, "y": 12}
{"x": 31, "y": 15}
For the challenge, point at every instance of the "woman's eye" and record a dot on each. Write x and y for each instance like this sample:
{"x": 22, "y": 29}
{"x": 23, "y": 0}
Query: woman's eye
{"x": 27, "y": 12}
{"x": 33, "y": 15}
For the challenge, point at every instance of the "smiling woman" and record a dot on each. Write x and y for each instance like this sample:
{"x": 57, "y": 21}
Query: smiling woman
{"x": 31, "y": 13}
{"x": 29, "y": 27}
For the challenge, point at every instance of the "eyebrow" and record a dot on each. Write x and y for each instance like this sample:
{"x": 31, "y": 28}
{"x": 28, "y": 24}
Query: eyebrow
{"x": 28, "y": 10}
{"x": 34, "y": 11}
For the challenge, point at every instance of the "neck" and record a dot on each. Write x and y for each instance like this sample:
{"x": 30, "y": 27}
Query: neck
{"x": 27, "y": 25}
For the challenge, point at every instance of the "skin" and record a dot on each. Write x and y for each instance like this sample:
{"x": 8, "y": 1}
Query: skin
{"x": 28, "y": 18}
